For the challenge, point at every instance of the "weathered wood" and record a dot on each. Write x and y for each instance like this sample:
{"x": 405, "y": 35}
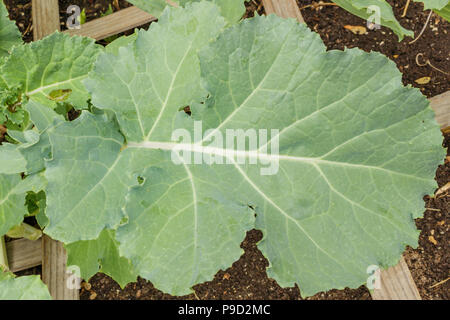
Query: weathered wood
{"x": 54, "y": 271}
{"x": 397, "y": 284}
{"x": 45, "y": 15}
{"x": 113, "y": 24}
{"x": 441, "y": 106}
{"x": 283, "y": 8}
{"x": 24, "y": 254}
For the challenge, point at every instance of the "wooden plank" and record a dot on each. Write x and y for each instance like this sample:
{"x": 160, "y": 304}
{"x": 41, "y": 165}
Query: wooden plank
{"x": 54, "y": 271}
{"x": 441, "y": 106}
{"x": 113, "y": 24}
{"x": 283, "y": 8}
{"x": 24, "y": 254}
{"x": 45, "y": 14}
{"x": 397, "y": 284}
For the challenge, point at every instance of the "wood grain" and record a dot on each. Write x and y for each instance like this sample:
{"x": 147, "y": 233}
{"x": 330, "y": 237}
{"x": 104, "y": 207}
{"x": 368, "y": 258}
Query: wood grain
{"x": 113, "y": 24}
{"x": 397, "y": 284}
{"x": 441, "y": 106}
{"x": 54, "y": 271}
{"x": 45, "y": 14}
{"x": 283, "y": 8}
{"x": 24, "y": 254}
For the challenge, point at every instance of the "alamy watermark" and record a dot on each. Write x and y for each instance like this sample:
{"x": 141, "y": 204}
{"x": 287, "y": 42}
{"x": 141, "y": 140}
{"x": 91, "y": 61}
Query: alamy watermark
{"x": 236, "y": 147}
{"x": 374, "y": 279}
{"x": 374, "y": 20}
{"x": 73, "y": 281}
{"x": 73, "y": 21}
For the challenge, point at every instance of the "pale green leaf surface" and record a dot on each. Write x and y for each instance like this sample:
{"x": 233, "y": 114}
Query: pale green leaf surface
{"x": 231, "y": 10}
{"x": 80, "y": 205}
{"x": 30, "y": 154}
{"x": 22, "y": 288}
{"x": 123, "y": 41}
{"x": 12, "y": 202}
{"x": 387, "y": 18}
{"x": 56, "y": 62}
{"x": 348, "y": 128}
{"x": 154, "y": 7}
{"x": 358, "y": 152}
{"x": 37, "y": 151}
{"x": 161, "y": 72}
{"x": 434, "y": 4}
{"x": 41, "y": 115}
{"x": 444, "y": 12}
{"x": 12, "y": 161}
{"x": 34, "y": 148}
{"x": 9, "y": 33}
{"x": 203, "y": 247}
{"x": 101, "y": 255}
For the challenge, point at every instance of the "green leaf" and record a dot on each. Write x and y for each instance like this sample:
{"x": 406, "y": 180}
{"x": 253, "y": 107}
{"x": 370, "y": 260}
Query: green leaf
{"x": 96, "y": 168}
{"x": 123, "y": 41}
{"x": 101, "y": 255}
{"x": 231, "y": 10}
{"x": 444, "y": 12}
{"x": 57, "y": 62}
{"x": 42, "y": 116}
{"x": 34, "y": 148}
{"x": 175, "y": 77}
{"x": 9, "y": 33}
{"x": 357, "y": 150}
{"x": 82, "y": 17}
{"x": 362, "y": 9}
{"x": 22, "y": 288}
{"x": 36, "y": 203}
{"x": 176, "y": 81}
{"x": 13, "y": 193}
{"x": 154, "y": 7}
{"x": 12, "y": 202}
{"x": 348, "y": 189}
{"x": 24, "y": 231}
{"x": 16, "y": 117}
{"x": 11, "y": 159}
{"x": 434, "y": 4}
{"x": 108, "y": 11}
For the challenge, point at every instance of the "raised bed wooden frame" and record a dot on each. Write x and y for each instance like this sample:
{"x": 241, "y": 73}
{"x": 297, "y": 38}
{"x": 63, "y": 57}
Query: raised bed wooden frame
{"x": 396, "y": 282}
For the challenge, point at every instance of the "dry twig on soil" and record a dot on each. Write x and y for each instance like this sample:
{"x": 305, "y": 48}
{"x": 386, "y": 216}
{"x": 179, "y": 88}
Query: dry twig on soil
{"x": 427, "y": 63}
{"x": 405, "y": 9}
{"x": 423, "y": 29}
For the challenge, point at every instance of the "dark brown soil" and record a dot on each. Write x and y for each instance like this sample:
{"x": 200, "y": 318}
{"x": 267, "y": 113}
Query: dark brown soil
{"x": 247, "y": 278}
{"x": 20, "y": 11}
{"x": 430, "y": 262}
{"x": 434, "y": 44}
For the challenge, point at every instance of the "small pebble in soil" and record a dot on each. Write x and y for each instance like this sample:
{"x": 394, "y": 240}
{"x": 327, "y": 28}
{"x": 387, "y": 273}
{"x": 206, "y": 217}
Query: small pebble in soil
{"x": 87, "y": 286}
